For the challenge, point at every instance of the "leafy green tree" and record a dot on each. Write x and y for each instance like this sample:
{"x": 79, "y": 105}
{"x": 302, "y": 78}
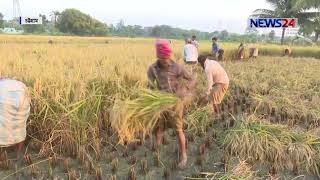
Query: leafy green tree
{"x": 1, "y": 20}
{"x": 317, "y": 29}
{"x": 33, "y": 28}
{"x": 156, "y": 31}
{"x": 13, "y": 23}
{"x": 74, "y": 21}
{"x": 290, "y": 9}
{"x": 224, "y": 34}
{"x": 272, "y": 35}
{"x": 45, "y": 21}
{"x": 251, "y": 34}
{"x": 311, "y": 26}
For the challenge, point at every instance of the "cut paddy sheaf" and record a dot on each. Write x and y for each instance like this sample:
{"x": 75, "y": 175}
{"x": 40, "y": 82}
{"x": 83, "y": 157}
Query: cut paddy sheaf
{"x": 254, "y": 140}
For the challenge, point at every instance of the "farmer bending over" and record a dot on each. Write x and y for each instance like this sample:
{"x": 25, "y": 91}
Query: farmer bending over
{"x": 14, "y": 112}
{"x": 168, "y": 75}
{"x": 217, "y": 80}
{"x": 190, "y": 53}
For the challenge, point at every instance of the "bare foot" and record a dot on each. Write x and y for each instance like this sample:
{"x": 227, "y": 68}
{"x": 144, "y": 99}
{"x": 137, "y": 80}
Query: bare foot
{"x": 183, "y": 163}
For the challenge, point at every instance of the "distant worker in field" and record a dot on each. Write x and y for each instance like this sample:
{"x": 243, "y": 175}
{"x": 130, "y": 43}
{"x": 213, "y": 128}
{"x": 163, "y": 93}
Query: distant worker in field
{"x": 217, "y": 82}
{"x": 14, "y": 112}
{"x": 168, "y": 77}
{"x": 240, "y": 52}
{"x": 216, "y": 50}
{"x": 254, "y": 52}
{"x": 190, "y": 53}
{"x": 287, "y": 51}
{"x": 194, "y": 41}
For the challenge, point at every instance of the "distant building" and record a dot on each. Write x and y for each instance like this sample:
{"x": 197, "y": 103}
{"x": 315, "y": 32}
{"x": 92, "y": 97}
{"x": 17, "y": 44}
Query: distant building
{"x": 11, "y": 31}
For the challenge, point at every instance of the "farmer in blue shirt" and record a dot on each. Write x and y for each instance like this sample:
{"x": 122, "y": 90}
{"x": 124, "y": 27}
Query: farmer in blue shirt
{"x": 216, "y": 51}
{"x": 215, "y": 46}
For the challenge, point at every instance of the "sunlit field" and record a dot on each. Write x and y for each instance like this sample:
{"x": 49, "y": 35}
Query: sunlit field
{"x": 269, "y": 125}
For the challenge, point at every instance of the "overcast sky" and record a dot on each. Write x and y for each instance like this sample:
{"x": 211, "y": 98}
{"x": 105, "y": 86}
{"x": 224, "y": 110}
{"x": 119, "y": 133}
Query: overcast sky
{"x": 205, "y": 15}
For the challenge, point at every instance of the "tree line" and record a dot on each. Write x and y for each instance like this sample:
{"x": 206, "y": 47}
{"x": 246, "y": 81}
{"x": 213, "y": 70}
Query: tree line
{"x": 75, "y": 22}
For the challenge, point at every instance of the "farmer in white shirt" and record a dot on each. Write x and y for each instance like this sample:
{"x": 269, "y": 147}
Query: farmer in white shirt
{"x": 14, "y": 112}
{"x": 190, "y": 53}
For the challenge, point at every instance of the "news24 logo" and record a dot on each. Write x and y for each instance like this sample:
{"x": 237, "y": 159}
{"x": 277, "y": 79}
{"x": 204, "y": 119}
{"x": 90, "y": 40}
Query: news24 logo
{"x": 273, "y": 22}
{"x": 29, "y": 20}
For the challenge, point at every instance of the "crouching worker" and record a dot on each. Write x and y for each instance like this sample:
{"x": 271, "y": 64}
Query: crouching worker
{"x": 14, "y": 112}
{"x": 217, "y": 81}
{"x": 168, "y": 77}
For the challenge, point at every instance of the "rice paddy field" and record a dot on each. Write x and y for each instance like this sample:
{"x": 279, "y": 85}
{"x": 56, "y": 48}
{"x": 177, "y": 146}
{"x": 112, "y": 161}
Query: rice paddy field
{"x": 269, "y": 127}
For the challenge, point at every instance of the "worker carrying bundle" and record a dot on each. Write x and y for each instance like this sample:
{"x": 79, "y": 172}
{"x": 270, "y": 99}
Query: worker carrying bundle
{"x": 14, "y": 112}
{"x": 168, "y": 76}
{"x": 156, "y": 109}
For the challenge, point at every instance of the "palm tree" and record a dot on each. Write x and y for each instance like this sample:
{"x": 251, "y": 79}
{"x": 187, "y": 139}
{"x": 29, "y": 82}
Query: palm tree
{"x": 317, "y": 29}
{"x": 55, "y": 15}
{"x": 289, "y": 9}
{"x": 312, "y": 26}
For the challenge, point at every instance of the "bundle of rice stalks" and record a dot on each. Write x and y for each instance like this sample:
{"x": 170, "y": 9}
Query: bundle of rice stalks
{"x": 140, "y": 115}
{"x": 258, "y": 141}
{"x": 274, "y": 144}
{"x": 303, "y": 153}
{"x": 241, "y": 171}
{"x": 198, "y": 120}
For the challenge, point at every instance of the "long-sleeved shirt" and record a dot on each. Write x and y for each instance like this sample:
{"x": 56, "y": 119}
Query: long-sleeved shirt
{"x": 190, "y": 53}
{"x": 169, "y": 80}
{"x": 215, "y": 74}
{"x": 215, "y": 48}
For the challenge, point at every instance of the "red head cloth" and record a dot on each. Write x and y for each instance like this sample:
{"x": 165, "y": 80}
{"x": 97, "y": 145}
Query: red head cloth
{"x": 163, "y": 48}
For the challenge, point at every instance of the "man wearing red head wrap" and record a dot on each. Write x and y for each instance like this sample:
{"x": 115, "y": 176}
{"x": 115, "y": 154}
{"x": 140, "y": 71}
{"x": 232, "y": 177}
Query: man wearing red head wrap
{"x": 163, "y": 49}
{"x": 167, "y": 76}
